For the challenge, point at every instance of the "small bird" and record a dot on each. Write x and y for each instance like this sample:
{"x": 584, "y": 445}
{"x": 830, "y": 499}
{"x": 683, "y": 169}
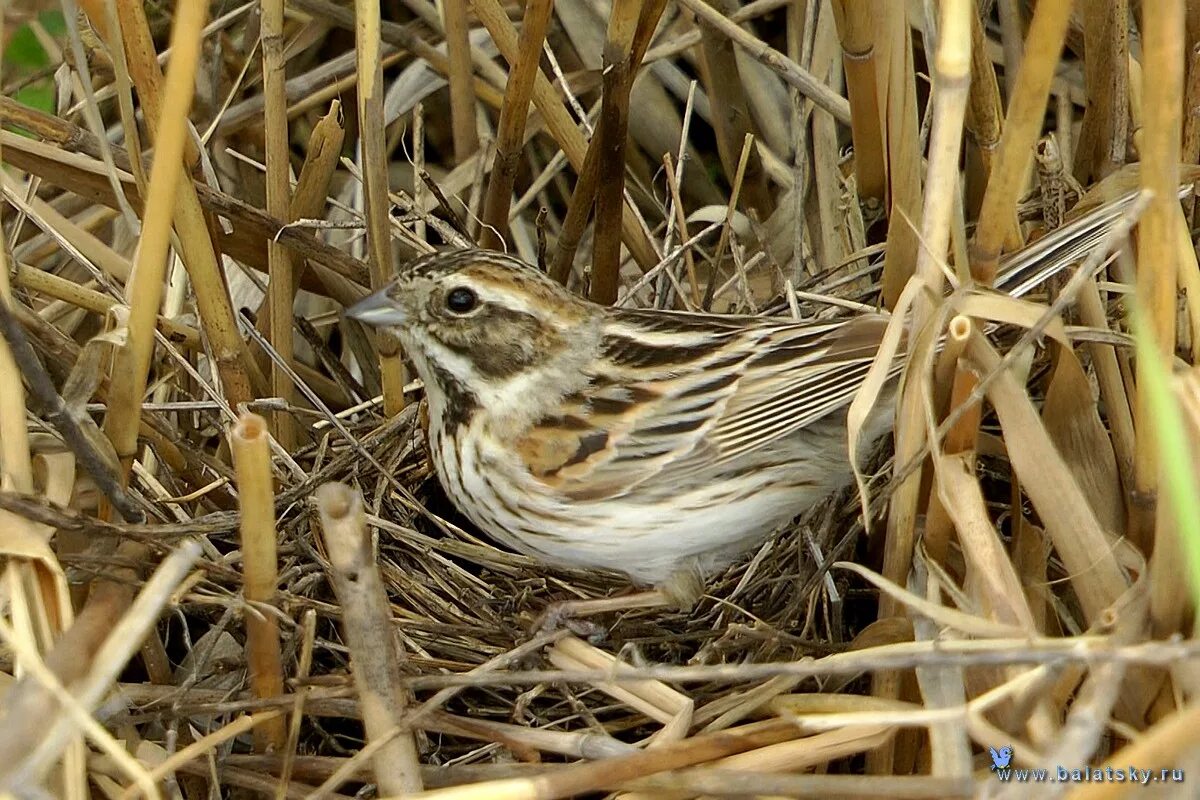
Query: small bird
{"x": 1001, "y": 758}
{"x": 660, "y": 444}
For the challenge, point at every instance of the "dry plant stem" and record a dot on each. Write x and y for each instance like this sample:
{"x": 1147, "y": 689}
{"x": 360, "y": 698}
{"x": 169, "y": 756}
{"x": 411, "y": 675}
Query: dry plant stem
{"x": 462, "y": 98}
{"x": 985, "y": 113}
{"x": 1026, "y": 109}
{"x": 1158, "y": 258}
{"x": 901, "y": 126}
{"x": 282, "y": 286}
{"x": 64, "y": 420}
{"x": 610, "y": 773}
{"x": 256, "y": 502}
{"x": 88, "y": 659}
{"x": 612, "y": 132}
{"x": 400, "y": 36}
{"x": 373, "y": 146}
{"x": 856, "y": 29}
{"x": 131, "y": 364}
{"x": 320, "y": 163}
{"x": 239, "y": 375}
{"x": 367, "y": 624}
{"x": 952, "y": 66}
{"x": 510, "y": 136}
{"x": 727, "y": 227}
{"x": 1104, "y": 134}
{"x": 561, "y": 126}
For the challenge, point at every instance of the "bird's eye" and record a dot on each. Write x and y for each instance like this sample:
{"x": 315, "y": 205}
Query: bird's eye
{"x": 461, "y": 300}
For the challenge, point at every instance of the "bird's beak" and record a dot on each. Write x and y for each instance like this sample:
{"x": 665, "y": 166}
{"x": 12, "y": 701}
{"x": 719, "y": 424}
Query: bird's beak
{"x": 377, "y": 310}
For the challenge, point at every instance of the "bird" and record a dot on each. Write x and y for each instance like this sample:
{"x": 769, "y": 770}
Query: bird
{"x": 659, "y": 444}
{"x": 1001, "y": 758}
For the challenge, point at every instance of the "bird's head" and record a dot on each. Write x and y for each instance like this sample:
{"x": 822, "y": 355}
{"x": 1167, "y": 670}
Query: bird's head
{"x": 487, "y": 323}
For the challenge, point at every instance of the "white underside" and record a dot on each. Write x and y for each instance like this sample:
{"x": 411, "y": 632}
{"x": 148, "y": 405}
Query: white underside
{"x": 651, "y": 533}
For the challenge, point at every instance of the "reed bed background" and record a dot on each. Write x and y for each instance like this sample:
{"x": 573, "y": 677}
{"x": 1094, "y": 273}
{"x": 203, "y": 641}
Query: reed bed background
{"x": 228, "y": 568}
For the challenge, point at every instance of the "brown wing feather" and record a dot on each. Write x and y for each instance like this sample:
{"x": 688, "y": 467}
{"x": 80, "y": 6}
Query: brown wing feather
{"x": 695, "y": 401}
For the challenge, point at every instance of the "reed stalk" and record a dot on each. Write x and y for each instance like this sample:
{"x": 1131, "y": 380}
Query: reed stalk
{"x": 256, "y": 502}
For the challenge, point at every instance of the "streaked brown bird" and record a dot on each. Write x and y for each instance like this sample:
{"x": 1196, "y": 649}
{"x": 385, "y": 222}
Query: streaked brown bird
{"x": 648, "y": 442}
{"x": 657, "y": 443}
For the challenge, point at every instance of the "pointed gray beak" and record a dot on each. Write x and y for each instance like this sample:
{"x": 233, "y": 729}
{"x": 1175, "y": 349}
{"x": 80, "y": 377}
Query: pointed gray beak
{"x": 377, "y": 310}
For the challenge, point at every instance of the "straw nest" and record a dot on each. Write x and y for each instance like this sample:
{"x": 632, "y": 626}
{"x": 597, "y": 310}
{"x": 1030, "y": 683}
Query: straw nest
{"x": 229, "y": 567}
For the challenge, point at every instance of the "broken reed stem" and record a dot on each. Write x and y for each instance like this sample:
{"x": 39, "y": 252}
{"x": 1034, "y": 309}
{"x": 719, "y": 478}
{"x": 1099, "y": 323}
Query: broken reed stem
{"x": 375, "y": 654}
{"x": 281, "y": 288}
{"x": 948, "y": 382}
{"x": 249, "y": 442}
{"x": 143, "y": 293}
{"x": 1158, "y": 260}
{"x": 510, "y": 135}
{"x": 373, "y": 152}
{"x": 1026, "y": 111}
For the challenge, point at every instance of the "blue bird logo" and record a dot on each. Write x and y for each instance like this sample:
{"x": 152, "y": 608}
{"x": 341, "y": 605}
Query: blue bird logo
{"x": 1001, "y": 758}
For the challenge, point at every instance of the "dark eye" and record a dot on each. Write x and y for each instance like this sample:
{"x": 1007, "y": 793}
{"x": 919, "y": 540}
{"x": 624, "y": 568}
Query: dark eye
{"x": 461, "y": 300}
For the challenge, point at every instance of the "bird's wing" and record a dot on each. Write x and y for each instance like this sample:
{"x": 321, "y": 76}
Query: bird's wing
{"x": 664, "y": 403}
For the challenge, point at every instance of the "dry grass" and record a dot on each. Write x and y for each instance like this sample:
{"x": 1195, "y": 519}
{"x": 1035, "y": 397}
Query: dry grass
{"x": 212, "y": 519}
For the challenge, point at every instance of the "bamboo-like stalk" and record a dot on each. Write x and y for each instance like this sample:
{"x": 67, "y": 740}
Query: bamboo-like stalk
{"x": 952, "y": 75}
{"x": 1026, "y": 110}
{"x": 510, "y": 135}
{"x": 373, "y": 144}
{"x": 256, "y": 501}
{"x": 952, "y": 385}
{"x": 131, "y": 364}
{"x": 282, "y": 286}
{"x": 375, "y": 653}
{"x": 612, "y": 132}
{"x": 951, "y": 84}
{"x": 240, "y": 377}
{"x": 1158, "y": 259}
{"x": 857, "y": 31}
{"x": 462, "y": 97}
{"x": 985, "y": 114}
